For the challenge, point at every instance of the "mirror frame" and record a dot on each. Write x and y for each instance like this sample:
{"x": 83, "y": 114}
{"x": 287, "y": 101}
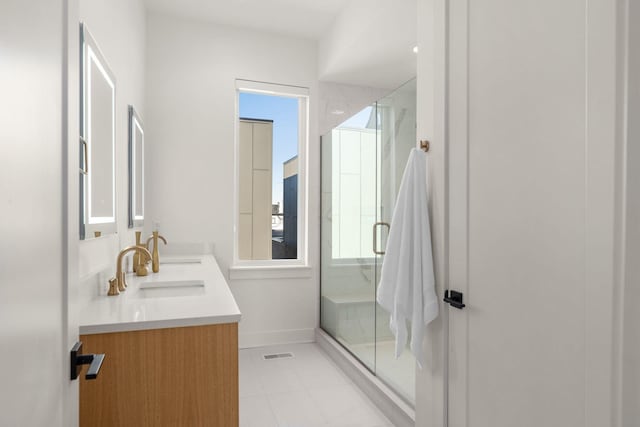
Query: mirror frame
{"x": 94, "y": 226}
{"x": 135, "y": 123}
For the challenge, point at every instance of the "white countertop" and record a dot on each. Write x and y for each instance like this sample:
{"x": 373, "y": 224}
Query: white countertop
{"x": 136, "y": 309}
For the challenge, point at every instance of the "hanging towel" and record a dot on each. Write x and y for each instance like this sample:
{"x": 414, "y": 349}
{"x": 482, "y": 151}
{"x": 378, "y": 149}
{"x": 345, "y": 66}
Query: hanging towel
{"x": 407, "y": 284}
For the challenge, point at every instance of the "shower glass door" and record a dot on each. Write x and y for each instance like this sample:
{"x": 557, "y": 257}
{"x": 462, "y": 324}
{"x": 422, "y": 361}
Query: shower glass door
{"x": 363, "y": 160}
{"x": 349, "y": 197}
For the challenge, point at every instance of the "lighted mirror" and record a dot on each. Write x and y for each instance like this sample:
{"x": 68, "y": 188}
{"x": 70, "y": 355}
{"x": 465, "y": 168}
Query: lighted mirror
{"x": 136, "y": 169}
{"x": 97, "y": 141}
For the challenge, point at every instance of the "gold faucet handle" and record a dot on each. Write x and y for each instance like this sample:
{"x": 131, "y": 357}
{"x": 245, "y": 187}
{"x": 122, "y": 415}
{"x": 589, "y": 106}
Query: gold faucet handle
{"x": 144, "y": 258}
{"x": 113, "y": 287}
{"x": 151, "y": 238}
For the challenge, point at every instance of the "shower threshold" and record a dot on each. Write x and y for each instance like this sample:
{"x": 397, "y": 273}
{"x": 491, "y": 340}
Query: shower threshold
{"x": 399, "y": 412}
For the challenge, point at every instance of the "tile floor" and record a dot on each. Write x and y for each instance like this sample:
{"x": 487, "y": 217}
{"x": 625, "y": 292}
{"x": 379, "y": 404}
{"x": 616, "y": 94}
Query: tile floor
{"x": 399, "y": 374}
{"x": 307, "y": 390}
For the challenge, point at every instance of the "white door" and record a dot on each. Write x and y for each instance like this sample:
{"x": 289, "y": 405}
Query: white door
{"x": 519, "y": 102}
{"x": 531, "y": 184}
{"x": 34, "y": 330}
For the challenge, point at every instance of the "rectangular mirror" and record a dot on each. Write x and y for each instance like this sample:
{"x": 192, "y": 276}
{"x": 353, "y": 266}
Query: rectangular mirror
{"x": 136, "y": 169}
{"x": 97, "y": 139}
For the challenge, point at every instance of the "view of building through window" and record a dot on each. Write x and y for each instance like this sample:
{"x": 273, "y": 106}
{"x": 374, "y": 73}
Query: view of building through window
{"x": 354, "y": 185}
{"x": 268, "y": 138}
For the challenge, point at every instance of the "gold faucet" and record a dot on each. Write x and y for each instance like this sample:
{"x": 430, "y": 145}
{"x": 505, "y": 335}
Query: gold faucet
{"x": 120, "y": 283}
{"x": 155, "y": 265}
{"x": 139, "y": 263}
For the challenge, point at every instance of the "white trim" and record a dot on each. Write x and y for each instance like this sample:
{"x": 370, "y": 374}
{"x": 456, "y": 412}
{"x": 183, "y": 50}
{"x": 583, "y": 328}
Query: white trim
{"x": 625, "y": 409}
{"x": 602, "y": 144}
{"x": 71, "y": 201}
{"x": 285, "y": 336}
{"x": 246, "y": 269}
{"x": 271, "y": 88}
{"x": 456, "y": 334}
{"x": 134, "y": 208}
{"x": 101, "y": 220}
{"x": 262, "y": 263}
{"x": 254, "y": 272}
{"x": 432, "y": 105}
{"x": 352, "y": 262}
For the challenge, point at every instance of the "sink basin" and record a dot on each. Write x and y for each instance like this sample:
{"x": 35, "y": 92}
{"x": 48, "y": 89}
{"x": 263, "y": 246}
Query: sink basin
{"x": 171, "y": 288}
{"x": 180, "y": 261}
{"x": 172, "y": 284}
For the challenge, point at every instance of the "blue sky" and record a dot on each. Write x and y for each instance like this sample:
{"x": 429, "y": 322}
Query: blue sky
{"x": 284, "y": 113}
{"x": 359, "y": 120}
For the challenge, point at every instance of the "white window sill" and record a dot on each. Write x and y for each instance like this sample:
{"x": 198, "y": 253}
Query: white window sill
{"x": 254, "y": 272}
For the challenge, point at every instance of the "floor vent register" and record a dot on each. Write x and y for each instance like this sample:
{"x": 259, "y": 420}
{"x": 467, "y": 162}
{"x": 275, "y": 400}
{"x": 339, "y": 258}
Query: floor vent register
{"x": 277, "y": 356}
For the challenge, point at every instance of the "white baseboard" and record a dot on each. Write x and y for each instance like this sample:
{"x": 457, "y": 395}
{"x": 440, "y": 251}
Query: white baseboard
{"x": 286, "y": 336}
{"x": 391, "y": 405}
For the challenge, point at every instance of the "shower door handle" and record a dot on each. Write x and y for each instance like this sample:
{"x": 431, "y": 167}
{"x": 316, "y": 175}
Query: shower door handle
{"x": 375, "y": 237}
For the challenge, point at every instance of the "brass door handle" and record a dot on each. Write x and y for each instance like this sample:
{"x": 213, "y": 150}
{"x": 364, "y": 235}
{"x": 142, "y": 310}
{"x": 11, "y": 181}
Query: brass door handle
{"x": 375, "y": 237}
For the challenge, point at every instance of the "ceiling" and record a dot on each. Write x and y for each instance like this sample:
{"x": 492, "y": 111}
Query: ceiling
{"x": 371, "y": 44}
{"x": 360, "y": 42}
{"x": 301, "y": 18}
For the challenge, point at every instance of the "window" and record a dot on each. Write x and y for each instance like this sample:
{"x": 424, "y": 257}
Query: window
{"x": 271, "y": 142}
{"x": 355, "y": 185}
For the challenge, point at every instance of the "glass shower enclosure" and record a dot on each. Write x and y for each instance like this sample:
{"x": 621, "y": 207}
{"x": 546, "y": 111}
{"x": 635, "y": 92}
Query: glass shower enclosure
{"x": 363, "y": 160}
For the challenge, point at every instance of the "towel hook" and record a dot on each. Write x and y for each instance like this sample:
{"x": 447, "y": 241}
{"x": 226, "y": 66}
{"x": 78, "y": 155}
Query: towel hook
{"x": 424, "y": 144}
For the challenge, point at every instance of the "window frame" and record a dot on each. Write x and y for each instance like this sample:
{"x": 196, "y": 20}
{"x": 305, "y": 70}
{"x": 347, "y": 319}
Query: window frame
{"x": 274, "y": 268}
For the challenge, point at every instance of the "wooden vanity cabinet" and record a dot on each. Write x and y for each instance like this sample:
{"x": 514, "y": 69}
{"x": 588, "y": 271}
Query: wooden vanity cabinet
{"x": 185, "y": 376}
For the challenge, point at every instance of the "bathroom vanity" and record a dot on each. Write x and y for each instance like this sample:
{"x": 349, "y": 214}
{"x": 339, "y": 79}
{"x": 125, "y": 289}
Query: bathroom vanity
{"x": 171, "y": 346}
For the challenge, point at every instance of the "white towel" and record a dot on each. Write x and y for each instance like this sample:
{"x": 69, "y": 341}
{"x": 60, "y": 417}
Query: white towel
{"x": 407, "y": 283}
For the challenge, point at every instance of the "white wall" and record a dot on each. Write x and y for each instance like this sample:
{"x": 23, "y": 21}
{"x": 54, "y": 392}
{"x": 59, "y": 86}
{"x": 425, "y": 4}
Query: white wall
{"x": 370, "y": 44}
{"x": 190, "y": 119}
{"x": 631, "y": 293}
{"x": 338, "y": 102}
{"x": 118, "y": 26}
